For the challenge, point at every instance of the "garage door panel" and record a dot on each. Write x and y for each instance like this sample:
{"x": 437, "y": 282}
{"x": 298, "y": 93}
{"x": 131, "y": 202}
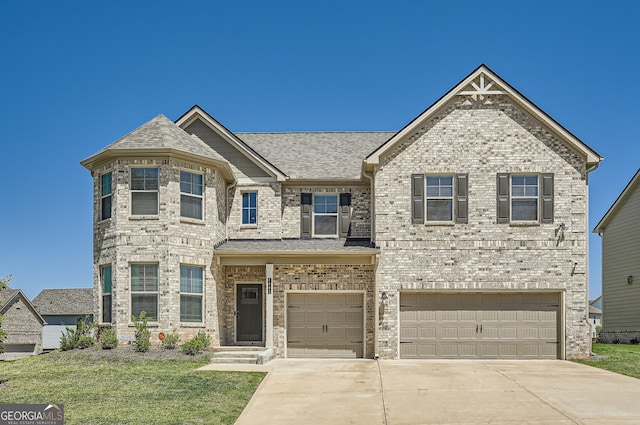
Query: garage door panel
{"x": 479, "y": 325}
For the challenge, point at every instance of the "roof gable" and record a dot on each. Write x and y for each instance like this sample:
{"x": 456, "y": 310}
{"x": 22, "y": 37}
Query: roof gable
{"x": 619, "y": 202}
{"x": 160, "y": 136}
{"x": 64, "y": 302}
{"x": 197, "y": 113}
{"x": 480, "y": 83}
{"x": 9, "y": 296}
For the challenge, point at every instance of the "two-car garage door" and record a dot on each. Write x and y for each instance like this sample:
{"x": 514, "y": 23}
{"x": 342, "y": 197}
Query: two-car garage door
{"x": 479, "y": 325}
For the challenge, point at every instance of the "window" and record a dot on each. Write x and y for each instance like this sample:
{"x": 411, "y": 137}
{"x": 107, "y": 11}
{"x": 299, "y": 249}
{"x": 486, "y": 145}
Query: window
{"x": 190, "y": 195}
{"x": 524, "y": 198}
{"x": 144, "y": 290}
{"x": 325, "y": 215}
{"x": 144, "y": 191}
{"x": 249, "y": 208}
{"x": 439, "y": 198}
{"x": 105, "y": 196}
{"x": 105, "y": 280}
{"x": 191, "y": 293}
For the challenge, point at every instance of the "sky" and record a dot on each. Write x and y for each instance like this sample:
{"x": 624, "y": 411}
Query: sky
{"x": 77, "y": 75}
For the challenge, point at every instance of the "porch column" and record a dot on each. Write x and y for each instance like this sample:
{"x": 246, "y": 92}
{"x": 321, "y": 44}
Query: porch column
{"x": 269, "y": 304}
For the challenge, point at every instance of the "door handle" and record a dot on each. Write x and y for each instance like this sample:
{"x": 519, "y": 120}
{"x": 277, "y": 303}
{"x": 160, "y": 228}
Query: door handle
{"x": 237, "y": 313}
{"x": 476, "y": 328}
{"x": 480, "y": 328}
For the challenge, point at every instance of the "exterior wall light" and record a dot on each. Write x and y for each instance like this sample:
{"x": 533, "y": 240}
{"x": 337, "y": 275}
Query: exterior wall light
{"x": 629, "y": 280}
{"x": 384, "y": 295}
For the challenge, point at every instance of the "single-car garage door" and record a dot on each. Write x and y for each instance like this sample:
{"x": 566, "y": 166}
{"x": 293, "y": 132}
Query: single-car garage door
{"x": 479, "y": 325}
{"x": 325, "y": 325}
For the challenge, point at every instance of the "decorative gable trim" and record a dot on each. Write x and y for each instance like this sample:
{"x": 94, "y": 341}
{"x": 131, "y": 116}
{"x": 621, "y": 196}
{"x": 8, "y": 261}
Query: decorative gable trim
{"x": 481, "y": 83}
{"x": 196, "y": 112}
{"x": 619, "y": 202}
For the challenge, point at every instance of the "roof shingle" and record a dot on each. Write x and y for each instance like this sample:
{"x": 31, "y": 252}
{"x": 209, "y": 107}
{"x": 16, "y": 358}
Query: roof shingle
{"x": 64, "y": 302}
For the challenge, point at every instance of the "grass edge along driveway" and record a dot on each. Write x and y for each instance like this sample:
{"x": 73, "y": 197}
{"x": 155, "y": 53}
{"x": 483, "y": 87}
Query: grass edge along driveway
{"x": 622, "y": 358}
{"x": 135, "y": 390}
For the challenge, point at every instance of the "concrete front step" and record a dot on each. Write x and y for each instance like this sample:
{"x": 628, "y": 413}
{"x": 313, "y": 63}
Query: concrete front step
{"x": 247, "y": 355}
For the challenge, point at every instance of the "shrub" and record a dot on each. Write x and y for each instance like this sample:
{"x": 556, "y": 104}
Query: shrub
{"x": 170, "y": 341}
{"x": 108, "y": 338}
{"x": 80, "y": 337}
{"x": 198, "y": 343}
{"x": 142, "y": 341}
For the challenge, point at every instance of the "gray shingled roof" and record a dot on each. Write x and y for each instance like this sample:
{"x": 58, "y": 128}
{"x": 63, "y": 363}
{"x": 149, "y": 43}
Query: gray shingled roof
{"x": 317, "y": 156}
{"x": 6, "y": 295}
{"x": 283, "y": 246}
{"x": 64, "y": 302}
{"x": 162, "y": 133}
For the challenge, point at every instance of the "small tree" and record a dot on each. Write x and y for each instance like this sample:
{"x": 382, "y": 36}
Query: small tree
{"x": 142, "y": 341}
{"x": 4, "y": 284}
{"x": 107, "y": 338}
{"x": 80, "y": 337}
{"x": 170, "y": 341}
{"x": 198, "y": 343}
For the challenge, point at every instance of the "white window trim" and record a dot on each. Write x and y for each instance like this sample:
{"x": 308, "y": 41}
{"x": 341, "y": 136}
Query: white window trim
{"x": 314, "y": 214}
{"x": 132, "y": 191}
{"x": 201, "y": 197}
{"x": 200, "y": 294}
{"x": 132, "y": 292}
{"x": 512, "y": 198}
{"x": 452, "y": 198}
{"x": 248, "y": 225}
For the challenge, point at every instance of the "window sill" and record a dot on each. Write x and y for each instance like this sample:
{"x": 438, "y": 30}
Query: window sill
{"x": 150, "y": 324}
{"x": 192, "y": 221}
{"x": 144, "y": 217}
{"x": 439, "y": 223}
{"x": 191, "y": 325}
{"x": 248, "y": 226}
{"x": 104, "y": 221}
{"x": 524, "y": 224}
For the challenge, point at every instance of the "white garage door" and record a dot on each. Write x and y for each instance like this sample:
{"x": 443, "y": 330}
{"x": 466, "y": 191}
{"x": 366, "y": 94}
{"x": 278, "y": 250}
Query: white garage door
{"x": 479, "y": 325}
{"x": 325, "y": 325}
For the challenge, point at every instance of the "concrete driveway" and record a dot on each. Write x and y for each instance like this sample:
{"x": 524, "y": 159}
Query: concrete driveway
{"x": 395, "y": 392}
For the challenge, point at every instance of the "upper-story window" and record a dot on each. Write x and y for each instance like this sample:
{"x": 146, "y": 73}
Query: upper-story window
{"x": 105, "y": 280}
{"x": 191, "y": 195}
{"x": 250, "y": 208}
{"x": 325, "y": 214}
{"x": 106, "y": 191}
{"x": 144, "y": 191}
{"x": 144, "y": 290}
{"x": 525, "y": 198}
{"x": 439, "y": 198}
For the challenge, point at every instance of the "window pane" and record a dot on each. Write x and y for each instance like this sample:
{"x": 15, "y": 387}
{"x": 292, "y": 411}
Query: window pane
{"x": 190, "y": 308}
{"x": 191, "y": 279}
{"x": 105, "y": 208}
{"x": 144, "y": 277}
{"x": 249, "y": 208}
{"x": 325, "y": 204}
{"x": 106, "y": 184}
{"x": 145, "y": 302}
{"x": 106, "y": 279}
{"x": 439, "y": 186}
{"x": 190, "y": 183}
{"x": 191, "y": 207}
{"x": 325, "y": 225}
{"x": 439, "y": 210}
{"x": 106, "y": 308}
{"x": 524, "y": 210}
{"x": 144, "y": 179}
{"x": 144, "y": 203}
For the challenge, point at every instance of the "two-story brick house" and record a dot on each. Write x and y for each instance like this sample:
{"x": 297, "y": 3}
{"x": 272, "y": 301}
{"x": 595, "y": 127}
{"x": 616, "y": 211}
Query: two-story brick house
{"x": 462, "y": 235}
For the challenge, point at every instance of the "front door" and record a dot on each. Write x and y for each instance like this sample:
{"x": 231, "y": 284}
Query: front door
{"x": 249, "y": 312}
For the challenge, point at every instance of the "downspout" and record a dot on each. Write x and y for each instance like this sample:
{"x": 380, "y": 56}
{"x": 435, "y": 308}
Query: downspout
{"x": 589, "y": 170}
{"x": 376, "y": 297}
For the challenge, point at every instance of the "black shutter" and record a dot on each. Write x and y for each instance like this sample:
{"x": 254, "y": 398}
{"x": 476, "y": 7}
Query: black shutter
{"x": 417, "y": 198}
{"x": 306, "y": 201}
{"x": 503, "y": 197}
{"x": 462, "y": 200}
{"x": 546, "y": 197}
{"x": 345, "y": 214}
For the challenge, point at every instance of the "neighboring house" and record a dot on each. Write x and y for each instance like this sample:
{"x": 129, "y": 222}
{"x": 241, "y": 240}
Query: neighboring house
{"x": 620, "y": 233}
{"x": 464, "y": 234}
{"x": 595, "y": 317}
{"x": 23, "y": 324}
{"x": 60, "y": 308}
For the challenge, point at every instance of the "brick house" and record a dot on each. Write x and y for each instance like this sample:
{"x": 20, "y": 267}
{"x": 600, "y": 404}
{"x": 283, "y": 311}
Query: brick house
{"x": 464, "y": 234}
{"x": 22, "y": 322}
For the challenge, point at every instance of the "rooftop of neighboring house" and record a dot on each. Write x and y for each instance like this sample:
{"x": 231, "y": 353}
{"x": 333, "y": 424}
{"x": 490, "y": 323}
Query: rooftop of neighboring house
{"x": 64, "y": 302}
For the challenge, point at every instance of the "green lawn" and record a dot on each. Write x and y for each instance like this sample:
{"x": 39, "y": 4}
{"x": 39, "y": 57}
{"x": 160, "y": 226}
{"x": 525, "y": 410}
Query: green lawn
{"x": 623, "y": 358}
{"x": 113, "y": 390}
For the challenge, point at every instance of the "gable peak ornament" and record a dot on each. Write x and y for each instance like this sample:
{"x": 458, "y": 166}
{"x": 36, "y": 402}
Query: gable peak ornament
{"x": 480, "y": 87}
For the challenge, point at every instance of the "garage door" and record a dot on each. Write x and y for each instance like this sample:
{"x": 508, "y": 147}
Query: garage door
{"x": 325, "y": 325}
{"x": 479, "y": 325}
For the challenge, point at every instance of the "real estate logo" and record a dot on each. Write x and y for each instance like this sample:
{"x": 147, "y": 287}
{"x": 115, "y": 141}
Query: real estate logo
{"x": 31, "y": 414}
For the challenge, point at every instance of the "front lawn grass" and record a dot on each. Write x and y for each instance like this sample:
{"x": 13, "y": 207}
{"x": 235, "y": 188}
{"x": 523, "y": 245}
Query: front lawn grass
{"x": 112, "y": 390}
{"x": 623, "y": 358}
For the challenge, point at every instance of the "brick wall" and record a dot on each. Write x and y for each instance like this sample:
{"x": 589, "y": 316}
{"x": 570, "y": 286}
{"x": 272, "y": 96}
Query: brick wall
{"x": 22, "y": 326}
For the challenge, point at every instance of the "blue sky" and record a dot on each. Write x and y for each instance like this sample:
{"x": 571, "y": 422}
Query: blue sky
{"x": 76, "y": 76}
